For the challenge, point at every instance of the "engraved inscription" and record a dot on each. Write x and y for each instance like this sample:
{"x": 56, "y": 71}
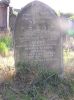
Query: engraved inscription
{"x": 37, "y": 37}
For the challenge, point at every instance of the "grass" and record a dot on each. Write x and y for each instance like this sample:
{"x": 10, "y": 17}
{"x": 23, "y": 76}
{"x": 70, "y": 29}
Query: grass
{"x": 3, "y": 49}
{"x": 7, "y": 39}
{"x": 5, "y": 44}
{"x": 30, "y": 83}
{"x": 69, "y": 58}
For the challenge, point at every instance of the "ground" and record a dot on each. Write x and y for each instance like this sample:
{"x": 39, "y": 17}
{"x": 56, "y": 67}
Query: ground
{"x": 7, "y": 69}
{"x": 69, "y": 61}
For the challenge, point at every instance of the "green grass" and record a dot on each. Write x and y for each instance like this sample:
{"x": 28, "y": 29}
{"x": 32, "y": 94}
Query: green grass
{"x": 7, "y": 40}
{"x": 3, "y": 49}
{"x": 38, "y": 85}
{"x": 5, "y": 45}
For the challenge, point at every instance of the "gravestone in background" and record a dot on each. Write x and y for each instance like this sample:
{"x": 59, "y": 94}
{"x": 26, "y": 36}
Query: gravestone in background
{"x": 37, "y": 37}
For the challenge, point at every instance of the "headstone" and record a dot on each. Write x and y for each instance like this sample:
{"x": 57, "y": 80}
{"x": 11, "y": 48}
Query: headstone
{"x": 37, "y": 37}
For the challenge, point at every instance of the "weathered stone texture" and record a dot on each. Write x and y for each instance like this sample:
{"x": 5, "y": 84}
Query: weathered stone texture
{"x": 37, "y": 37}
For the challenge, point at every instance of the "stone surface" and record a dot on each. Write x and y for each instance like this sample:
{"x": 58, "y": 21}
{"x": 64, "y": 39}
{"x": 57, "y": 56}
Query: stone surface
{"x": 37, "y": 37}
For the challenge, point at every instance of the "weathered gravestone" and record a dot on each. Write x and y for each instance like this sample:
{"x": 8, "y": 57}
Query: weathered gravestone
{"x": 37, "y": 38}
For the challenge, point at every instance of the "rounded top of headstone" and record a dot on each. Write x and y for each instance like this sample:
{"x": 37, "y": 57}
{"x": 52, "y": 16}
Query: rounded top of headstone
{"x": 39, "y": 4}
{"x": 36, "y": 8}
